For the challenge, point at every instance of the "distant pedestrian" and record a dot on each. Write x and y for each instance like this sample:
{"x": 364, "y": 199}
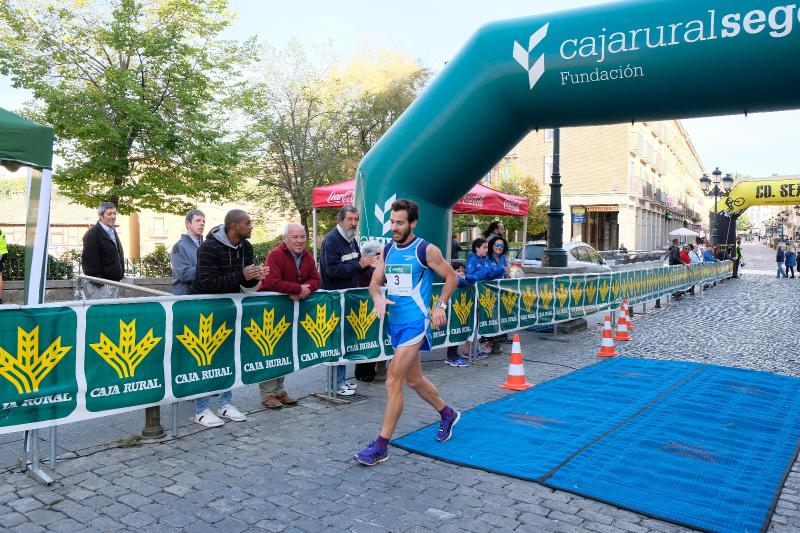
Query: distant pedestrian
{"x": 674, "y": 253}
{"x": 622, "y": 248}
{"x": 791, "y": 260}
{"x": 780, "y": 259}
{"x": 455, "y": 248}
{"x": 184, "y": 253}
{"x": 102, "y": 255}
{"x": 694, "y": 257}
{"x": 3, "y": 254}
{"x": 225, "y": 264}
{"x": 737, "y": 257}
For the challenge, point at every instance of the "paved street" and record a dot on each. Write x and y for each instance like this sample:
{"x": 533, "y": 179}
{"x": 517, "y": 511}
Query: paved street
{"x": 292, "y": 470}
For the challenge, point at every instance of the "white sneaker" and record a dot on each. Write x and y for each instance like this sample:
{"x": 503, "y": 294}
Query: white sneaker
{"x": 208, "y": 419}
{"x": 351, "y": 386}
{"x": 231, "y": 413}
{"x": 344, "y": 391}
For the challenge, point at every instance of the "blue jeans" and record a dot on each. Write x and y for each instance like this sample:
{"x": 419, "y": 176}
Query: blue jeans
{"x": 781, "y": 271}
{"x": 340, "y": 373}
{"x": 201, "y": 404}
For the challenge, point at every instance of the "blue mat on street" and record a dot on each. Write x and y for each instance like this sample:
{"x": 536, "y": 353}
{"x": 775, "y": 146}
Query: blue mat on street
{"x": 703, "y": 446}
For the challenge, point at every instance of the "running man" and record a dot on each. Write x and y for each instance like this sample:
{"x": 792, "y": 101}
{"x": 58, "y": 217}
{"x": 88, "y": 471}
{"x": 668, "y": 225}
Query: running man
{"x": 408, "y": 265}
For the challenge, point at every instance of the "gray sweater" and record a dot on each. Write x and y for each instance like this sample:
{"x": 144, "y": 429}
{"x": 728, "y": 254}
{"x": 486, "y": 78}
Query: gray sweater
{"x": 184, "y": 264}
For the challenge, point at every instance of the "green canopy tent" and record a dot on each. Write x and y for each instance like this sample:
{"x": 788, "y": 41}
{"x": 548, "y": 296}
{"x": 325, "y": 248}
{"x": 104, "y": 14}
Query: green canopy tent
{"x": 24, "y": 143}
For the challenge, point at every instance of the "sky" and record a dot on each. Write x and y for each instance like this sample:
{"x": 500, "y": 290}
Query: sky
{"x": 432, "y": 32}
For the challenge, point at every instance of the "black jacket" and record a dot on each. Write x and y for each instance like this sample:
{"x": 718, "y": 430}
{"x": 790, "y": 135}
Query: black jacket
{"x": 220, "y": 265}
{"x": 338, "y": 262}
{"x": 674, "y": 255}
{"x": 100, "y": 258}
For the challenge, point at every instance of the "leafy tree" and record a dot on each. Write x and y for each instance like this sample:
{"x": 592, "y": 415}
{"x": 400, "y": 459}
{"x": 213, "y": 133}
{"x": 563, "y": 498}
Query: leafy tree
{"x": 743, "y": 223}
{"x": 132, "y": 90}
{"x": 310, "y": 123}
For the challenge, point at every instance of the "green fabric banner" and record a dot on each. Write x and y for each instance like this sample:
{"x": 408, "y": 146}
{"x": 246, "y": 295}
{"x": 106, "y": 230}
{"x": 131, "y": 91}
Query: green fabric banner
{"x": 561, "y": 298}
{"x": 439, "y": 335}
{"x": 462, "y": 315}
{"x": 319, "y": 331}
{"x": 509, "y": 304}
{"x": 488, "y": 313}
{"x": 361, "y": 327}
{"x": 529, "y": 303}
{"x": 266, "y": 345}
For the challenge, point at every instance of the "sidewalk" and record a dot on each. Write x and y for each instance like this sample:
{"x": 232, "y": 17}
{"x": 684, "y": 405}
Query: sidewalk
{"x": 292, "y": 470}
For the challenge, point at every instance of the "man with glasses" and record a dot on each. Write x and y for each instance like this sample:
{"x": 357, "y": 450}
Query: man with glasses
{"x": 291, "y": 271}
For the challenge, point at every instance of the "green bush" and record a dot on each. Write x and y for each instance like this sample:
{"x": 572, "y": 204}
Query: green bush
{"x": 156, "y": 264}
{"x": 261, "y": 249}
{"x": 14, "y": 265}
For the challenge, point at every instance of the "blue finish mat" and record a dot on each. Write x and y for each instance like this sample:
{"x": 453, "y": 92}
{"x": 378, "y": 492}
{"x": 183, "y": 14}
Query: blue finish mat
{"x": 698, "y": 445}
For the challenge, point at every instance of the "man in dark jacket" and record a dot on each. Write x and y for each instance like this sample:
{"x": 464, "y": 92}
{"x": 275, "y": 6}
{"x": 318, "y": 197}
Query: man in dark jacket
{"x": 225, "y": 265}
{"x": 340, "y": 264}
{"x": 184, "y": 253}
{"x": 102, "y": 255}
{"x": 225, "y": 259}
{"x": 291, "y": 271}
{"x": 674, "y": 257}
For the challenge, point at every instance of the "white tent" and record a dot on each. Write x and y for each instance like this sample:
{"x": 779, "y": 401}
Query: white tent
{"x": 683, "y": 232}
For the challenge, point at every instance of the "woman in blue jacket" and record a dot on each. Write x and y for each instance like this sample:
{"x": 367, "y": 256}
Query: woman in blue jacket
{"x": 791, "y": 261}
{"x": 479, "y": 266}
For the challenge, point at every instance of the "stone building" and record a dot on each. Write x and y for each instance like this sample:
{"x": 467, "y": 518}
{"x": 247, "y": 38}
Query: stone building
{"x": 622, "y": 184}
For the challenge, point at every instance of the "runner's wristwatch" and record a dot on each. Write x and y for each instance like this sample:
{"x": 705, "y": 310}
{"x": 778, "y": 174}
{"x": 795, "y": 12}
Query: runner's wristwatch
{"x": 440, "y": 305}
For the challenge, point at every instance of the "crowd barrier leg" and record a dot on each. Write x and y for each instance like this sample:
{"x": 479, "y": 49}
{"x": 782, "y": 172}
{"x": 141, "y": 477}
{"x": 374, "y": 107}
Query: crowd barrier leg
{"x": 53, "y": 446}
{"x": 174, "y": 421}
{"x": 34, "y": 469}
{"x": 330, "y": 385}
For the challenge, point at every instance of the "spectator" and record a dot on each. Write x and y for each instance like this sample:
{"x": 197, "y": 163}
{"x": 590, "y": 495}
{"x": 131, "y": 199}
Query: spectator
{"x": 674, "y": 253}
{"x": 3, "y": 253}
{"x": 737, "y": 258}
{"x": 184, "y": 253}
{"x": 495, "y": 229}
{"x": 481, "y": 268}
{"x": 498, "y": 247}
{"x": 791, "y": 260}
{"x": 780, "y": 259}
{"x": 102, "y": 255}
{"x": 453, "y": 357}
{"x": 291, "y": 271}
{"x": 622, "y": 248}
{"x": 684, "y": 255}
{"x": 455, "y": 248}
{"x": 694, "y": 257}
{"x": 340, "y": 265}
{"x": 708, "y": 256}
{"x": 224, "y": 265}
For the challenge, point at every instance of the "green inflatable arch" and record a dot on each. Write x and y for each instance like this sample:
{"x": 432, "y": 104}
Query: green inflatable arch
{"x": 626, "y": 61}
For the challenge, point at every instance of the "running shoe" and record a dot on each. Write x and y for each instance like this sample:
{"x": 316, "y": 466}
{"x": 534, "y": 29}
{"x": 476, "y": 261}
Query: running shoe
{"x": 372, "y": 455}
{"x": 446, "y": 426}
{"x": 459, "y": 362}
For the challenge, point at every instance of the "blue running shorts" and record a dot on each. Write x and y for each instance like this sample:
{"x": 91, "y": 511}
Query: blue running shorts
{"x": 410, "y": 334}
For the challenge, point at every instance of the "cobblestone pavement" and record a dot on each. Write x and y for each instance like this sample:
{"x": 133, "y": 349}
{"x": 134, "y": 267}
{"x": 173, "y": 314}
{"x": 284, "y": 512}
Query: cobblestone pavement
{"x": 291, "y": 470}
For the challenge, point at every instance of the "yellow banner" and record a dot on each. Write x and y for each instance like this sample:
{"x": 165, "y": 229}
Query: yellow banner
{"x": 764, "y": 192}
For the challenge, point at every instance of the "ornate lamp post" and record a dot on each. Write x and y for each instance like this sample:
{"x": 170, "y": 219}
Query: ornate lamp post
{"x": 554, "y": 255}
{"x": 717, "y": 193}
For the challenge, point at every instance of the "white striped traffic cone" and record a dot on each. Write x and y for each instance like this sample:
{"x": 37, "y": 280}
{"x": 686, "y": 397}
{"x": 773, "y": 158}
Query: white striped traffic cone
{"x": 607, "y": 346}
{"x": 516, "y": 372}
{"x": 627, "y": 314}
{"x": 622, "y": 327}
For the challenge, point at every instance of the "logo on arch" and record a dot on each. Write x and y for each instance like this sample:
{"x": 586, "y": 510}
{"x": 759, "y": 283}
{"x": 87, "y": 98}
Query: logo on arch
{"x": 380, "y": 214}
{"x": 522, "y": 55}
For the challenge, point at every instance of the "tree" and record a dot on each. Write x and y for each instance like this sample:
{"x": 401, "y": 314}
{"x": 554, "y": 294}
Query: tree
{"x": 133, "y": 91}
{"x": 310, "y": 124}
{"x": 743, "y": 223}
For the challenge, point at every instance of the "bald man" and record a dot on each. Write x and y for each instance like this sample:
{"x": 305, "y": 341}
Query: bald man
{"x": 291, "y": 271}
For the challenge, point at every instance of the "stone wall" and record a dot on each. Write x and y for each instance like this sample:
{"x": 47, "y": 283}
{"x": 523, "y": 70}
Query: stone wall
{"x": 64, "y": 290}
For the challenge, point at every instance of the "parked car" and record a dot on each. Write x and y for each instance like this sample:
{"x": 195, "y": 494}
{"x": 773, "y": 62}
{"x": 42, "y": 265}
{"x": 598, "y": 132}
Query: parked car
{"x": 579, "y": 254}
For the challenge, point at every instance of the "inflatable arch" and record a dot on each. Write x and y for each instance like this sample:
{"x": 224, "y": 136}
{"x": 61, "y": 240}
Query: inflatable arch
{"x": 760, "y": 192}
{"x": 625, "y": 61}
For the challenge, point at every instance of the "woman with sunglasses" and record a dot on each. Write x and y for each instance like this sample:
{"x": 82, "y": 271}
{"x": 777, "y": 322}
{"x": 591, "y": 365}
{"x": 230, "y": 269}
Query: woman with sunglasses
{"x": 498, "y": 248}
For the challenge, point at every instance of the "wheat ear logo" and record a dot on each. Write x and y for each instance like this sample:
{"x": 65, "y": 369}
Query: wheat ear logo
{"x": 463, "y": 307}
{"x": 591, "y": 289}
{"x": 27, "y": 370}
{"x": 380, "y": 214}
{"x": 603, "y": 289}
{"x": 577, "y": 292}
{"x": 509, "y": 299}
{"x": 528, "y": 298}
{"x": 615, "y": 289}
{"x": 321, "y": 328}
{"x": 206, "y": 345}
{"x": 125, "y": 356}
{"x": 546, "y": 296}
{"x": 362, "y": 321}
{"x": 562, "y": 294}
{"x": 488, "y": 299}
{"x": 267, "y": 336}
{"x": 522, "y": 56}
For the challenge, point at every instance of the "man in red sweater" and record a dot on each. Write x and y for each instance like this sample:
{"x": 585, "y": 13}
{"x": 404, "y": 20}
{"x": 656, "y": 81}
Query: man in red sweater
{"x": 291, "y": 271}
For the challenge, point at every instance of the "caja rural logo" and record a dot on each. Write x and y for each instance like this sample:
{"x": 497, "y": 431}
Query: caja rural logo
{"x": 29, "y": 367}
{"x": 522, "y": 55}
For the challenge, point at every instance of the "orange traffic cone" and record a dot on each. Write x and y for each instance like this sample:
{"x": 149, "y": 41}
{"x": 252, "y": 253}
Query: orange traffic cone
{"x": 607, "y": 346}
{"x": 622, "y": 327}
{"x": 627, "y": 314}
{"x": 516, "y": 372}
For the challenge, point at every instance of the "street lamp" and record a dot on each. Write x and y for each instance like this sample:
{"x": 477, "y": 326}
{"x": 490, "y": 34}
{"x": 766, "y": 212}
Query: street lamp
{"x": 717, "y": 193}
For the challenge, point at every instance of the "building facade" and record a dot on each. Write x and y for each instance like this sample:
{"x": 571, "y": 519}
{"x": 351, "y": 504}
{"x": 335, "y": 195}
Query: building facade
{"x": 622, "y": 184}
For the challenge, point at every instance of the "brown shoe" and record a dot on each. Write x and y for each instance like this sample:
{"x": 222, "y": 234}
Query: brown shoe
{"x": 272, "y": 402}
{"x": 285, "y": 399}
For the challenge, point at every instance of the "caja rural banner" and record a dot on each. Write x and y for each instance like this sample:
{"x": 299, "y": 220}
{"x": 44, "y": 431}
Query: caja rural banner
{"x": 79, "y": 360}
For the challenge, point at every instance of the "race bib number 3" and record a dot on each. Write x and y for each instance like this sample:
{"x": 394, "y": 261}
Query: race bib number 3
{"x": 398, "y": 280}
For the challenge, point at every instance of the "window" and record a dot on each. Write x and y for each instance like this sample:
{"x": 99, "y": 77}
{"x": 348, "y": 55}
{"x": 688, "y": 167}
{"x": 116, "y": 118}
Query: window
{"x": 548, "y": 135}
{"x": 158, "y": 226}
{"x": 506, "y": 170}
{"x": 548, "y": 169}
